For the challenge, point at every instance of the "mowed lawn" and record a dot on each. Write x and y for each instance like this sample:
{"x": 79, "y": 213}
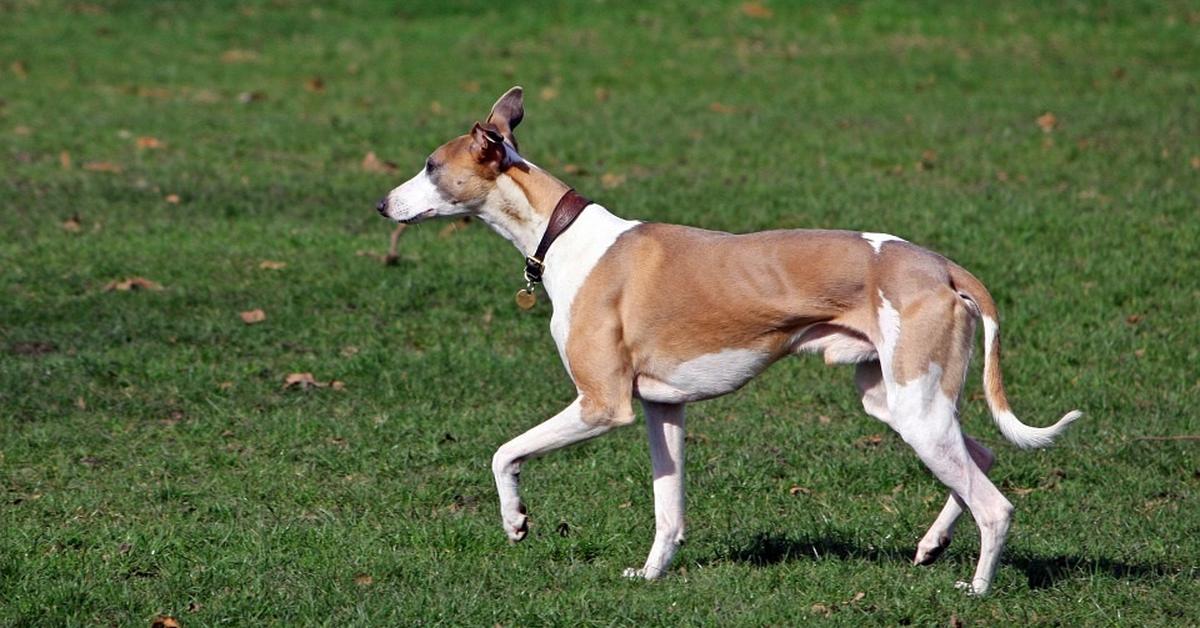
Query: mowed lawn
{"x": 152, "y": 461}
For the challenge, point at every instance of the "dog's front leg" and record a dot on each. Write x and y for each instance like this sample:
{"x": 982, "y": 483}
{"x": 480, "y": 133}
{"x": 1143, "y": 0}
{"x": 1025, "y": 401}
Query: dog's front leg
{"x": 565, "y": 428}
{"x": 665, "y": 430}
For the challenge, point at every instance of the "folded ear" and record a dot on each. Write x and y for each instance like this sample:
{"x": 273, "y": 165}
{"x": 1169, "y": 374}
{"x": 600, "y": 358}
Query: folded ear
{"x": 507, "y": 113}
{"x": 487, "y": 145}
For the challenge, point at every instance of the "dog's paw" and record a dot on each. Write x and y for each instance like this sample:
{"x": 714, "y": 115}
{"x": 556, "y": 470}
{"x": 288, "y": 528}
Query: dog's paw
{"x": 978, "y": 589}
{"x": 930, "y": 551}
{"x": 634, "y": 573}
{"x": 516, "y": 525}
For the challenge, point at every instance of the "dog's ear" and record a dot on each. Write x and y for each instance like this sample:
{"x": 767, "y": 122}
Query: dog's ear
{"x": 487, "y": 145}
{"x": 508, "y": 112}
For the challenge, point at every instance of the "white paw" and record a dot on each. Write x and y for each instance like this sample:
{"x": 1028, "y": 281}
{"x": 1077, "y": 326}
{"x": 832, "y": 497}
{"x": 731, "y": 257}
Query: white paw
{"x": 633, "y": 573}
{"x": 979, "y": 588}
{"x": 516, "y": 525}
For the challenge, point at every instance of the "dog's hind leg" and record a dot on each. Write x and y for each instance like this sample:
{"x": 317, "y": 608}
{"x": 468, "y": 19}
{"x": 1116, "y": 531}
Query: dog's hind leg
{"x": 924, "y": 360}
{"x": 665, "y": 430}
{"x": 938, "y": 538}
{"x": 565, "y": 428}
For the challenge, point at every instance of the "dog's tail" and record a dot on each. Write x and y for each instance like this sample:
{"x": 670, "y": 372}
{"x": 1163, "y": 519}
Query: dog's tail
{"x": 1019, "y": 434}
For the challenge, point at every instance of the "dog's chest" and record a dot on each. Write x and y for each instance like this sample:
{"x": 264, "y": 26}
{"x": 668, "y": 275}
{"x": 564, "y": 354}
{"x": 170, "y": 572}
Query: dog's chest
{"x": 569, "y": 262}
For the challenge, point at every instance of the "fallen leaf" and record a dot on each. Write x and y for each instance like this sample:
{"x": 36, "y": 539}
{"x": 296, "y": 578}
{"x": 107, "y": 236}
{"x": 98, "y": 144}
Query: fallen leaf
{"x": 349, "y": 351}
{"x": 800, "y": 490}
{"x": 363, "y": 579}
{"x": 164, "y": 621}
{"x": 824, "y": 420}
{"x": 73, "y": 224}
{"x": 225, "y": 385}
{"x": 1140, "y": 353}
{"x": 602, "y": 94}
{"x": 955, "y": 622}
{"x": 436, "y": 108}
{"x": 872, "y": 440}
{"x": 756, "y": 10}
{"x": 64, "y": 160}
{"x": 21, "y": 129}
{"x": 470, "y": 87}
{"x": 928, "y": 160}
{"x": 548, "y": 93}
{"x": 820, "y": 609}
{"x": 573, "y": 169}
{"x": 81, "y": 403}
{"x": 611, "y": 180}
{"x": 34, "y": 347}
{"x": 1196, "y": 162}
{"x": 248, "y": 97}
{"x": 132, "y": 283}
{"x": 251, "y": 317}
{"x": 271, "y": 265}
{"x": 91, "y": 461}
{"x": 146, "y": 141}
{"x": 300, "y": 380}
{"x": 722, "y": 108}
{"x": 102, "y": 166}
{"x": 172, "y": 199}
{"x": 314, "y": 84}
{"x": 173, "y": 419}
{"x": 20, "y": 69}
{"x": 194, "y": 606}
{"x": 1021, "y": 491}
{"x": 857, "y": 596}
{"x": 1133, "y": 319}
{"x": 1047, "y": 121}
{"x": 337, "y": 385}
{"x": 238, "y": 56}
{"x": 371, "y": 163}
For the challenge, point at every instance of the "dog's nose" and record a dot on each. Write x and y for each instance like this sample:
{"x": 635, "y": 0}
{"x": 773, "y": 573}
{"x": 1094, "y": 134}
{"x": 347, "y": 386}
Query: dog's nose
{"x": 381, "y": 206}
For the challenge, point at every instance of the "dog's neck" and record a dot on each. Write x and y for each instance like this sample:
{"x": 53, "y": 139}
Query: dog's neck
{"x": 520, "y": 205}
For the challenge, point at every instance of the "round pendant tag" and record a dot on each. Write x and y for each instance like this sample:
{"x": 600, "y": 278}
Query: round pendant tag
{"x": 526, "y": 299}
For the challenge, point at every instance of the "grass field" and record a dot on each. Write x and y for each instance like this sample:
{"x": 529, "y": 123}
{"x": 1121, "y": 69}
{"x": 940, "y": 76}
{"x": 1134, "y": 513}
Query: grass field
{"x": 151, "y": 461}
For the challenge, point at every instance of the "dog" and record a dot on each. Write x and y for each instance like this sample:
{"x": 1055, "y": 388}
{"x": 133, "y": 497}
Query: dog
{"x": 669, "y": 314}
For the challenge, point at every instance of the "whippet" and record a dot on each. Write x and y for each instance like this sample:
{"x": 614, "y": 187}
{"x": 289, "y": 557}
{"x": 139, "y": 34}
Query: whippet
{"x": 670, "y": 314}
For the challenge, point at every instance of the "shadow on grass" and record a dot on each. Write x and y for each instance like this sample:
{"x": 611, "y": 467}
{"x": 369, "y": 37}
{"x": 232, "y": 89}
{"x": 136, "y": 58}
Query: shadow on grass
{"x": 1041, "y": 571}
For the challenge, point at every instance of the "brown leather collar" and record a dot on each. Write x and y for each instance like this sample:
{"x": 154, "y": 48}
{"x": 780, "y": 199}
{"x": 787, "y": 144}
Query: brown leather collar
{"x": 565, "y": 212}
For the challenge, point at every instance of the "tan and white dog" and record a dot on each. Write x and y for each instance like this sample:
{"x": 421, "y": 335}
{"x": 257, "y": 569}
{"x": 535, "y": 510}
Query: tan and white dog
{"x": 670, "y": 314}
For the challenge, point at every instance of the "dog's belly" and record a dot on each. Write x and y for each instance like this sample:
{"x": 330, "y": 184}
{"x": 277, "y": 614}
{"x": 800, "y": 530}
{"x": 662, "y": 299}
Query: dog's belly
{"x": 704, "y": 377}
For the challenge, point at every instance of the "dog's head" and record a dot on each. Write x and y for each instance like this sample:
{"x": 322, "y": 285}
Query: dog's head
{"x": 460, "y": 174}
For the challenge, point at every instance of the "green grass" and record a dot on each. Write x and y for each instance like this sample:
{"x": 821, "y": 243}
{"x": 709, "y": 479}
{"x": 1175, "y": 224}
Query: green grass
{"x": 150, "y": 460}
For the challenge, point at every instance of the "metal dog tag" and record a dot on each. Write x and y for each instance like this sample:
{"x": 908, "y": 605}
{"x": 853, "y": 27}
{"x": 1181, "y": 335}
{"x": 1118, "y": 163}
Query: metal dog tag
{"x": 526, "y": 298}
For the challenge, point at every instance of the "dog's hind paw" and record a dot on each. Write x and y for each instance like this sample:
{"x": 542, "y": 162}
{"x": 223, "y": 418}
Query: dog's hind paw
{"x": 633, "y": 573}
{"x": 980, "y": 588}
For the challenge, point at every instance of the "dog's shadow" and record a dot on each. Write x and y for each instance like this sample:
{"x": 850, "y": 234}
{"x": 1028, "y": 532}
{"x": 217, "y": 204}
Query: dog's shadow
{"x": 1042, "y": 572}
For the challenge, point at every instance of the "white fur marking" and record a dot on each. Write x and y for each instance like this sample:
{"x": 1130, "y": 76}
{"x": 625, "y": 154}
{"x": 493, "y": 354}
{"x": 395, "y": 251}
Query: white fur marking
{"x": 877, "y": 239}
{"x": 716, "y": 374}
{"x": 889, "y": 328}
{"x": 569, "y": 262}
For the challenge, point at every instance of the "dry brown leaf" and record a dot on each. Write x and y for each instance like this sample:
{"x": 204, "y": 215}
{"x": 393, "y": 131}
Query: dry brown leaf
{"x": 602, "y": 94}
{"x": 314, "y": 84}
{"x": 146, "y": 141}
{"x": 225, "y": 385}
{"x": 250, "y": 317}
{"x": 573, "y": 169}
{"x": 300, "y": 380}
{"x": 73, "y": 224}
{"x": 81, "y": 403}
{"x": 238, "y": 56}
{"x": 172, "y": 199}
{"x": 271, "y": 265}
{"x": 612, "y": 180}
{"x": 20, "y": 69}
{"x": 436, "y": 108}
{"x": 132, "y": 283}
{"x": 349, "y": 351}
{"x": 337, "y": 385}
{"x": 64, "y": 160}
{"x": 799, "y": 490}
{"x": 824, "y": 420}
{"x": 102, "y": 166}
{"x": 1196, "y": 162}
{"x": 548, "y": 93}
{"x": 248, "y": 97}
{"x": 757, "y": 10}
{"x": 821, "y": 609}
{"x": 722, "y": 108}
{"x": 21, "y": 129}
{"x": 363, "y": 579}
{"x": 470, "y": 87}
{"x": 871, "y": 440}
{"x": 372, "y": 163}
{"x": 1133, "y": 319}
{"x": 1047, "y": 121}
